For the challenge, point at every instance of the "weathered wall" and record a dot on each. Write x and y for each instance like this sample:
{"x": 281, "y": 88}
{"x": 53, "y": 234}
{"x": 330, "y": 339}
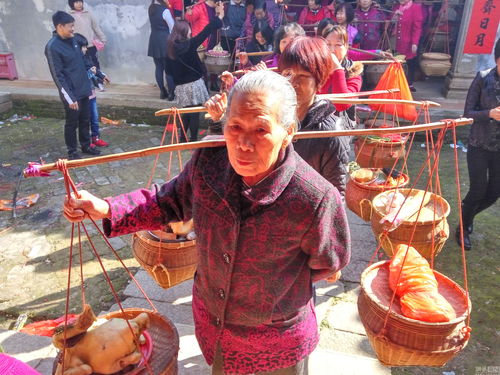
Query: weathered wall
{"x": 26, "y": 26}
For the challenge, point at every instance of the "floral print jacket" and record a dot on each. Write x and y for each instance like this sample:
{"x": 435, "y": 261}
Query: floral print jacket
{"x": 260, "y": 248}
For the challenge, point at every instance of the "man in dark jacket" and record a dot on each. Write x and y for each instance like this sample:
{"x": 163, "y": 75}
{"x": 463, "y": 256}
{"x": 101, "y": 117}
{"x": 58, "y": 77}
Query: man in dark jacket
{"x": 69, "y": 73}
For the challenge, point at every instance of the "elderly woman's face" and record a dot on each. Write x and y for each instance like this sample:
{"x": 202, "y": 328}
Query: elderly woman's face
{"x": 254, "y": 137}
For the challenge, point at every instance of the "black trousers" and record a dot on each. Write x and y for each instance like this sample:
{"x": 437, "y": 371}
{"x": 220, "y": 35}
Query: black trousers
{"x": 77, "y": 120}
{"x": 412, "y": 69}
{"x": 484, "y": 180}
{"x": 160, "y": 70}
{"x": 191, "y": 122}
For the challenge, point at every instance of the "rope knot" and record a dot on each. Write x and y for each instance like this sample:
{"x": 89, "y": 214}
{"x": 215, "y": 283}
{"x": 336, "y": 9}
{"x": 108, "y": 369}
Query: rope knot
{"x": 34, "y": 169}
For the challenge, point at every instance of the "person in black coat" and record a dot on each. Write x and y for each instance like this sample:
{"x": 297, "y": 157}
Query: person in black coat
{"x": 187, "y": 69}
{"x": 307, "y": 62}
{"x": 162, "y": 22}
{"x": 68, "y": 70}
{"x": 483, "y": 153}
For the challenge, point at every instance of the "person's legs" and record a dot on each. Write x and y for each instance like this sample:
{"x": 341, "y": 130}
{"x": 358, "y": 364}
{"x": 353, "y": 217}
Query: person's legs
{"x": 299, "y": 368}
{"x": 70, "y": 127}
{"x": 183, "y": 129}
{"x": 412, "y": 68}
{"x": 94, "y": 117}
{"x": 217, "y": 366}
{"x": 84, "y": 127}
{"x": 159, "y": 70}
{"x": 194, "y": 125}
{"x": 169, "y": 79}
{"x": 92, "y": 51}
{"x": 493, "y": 187}
{"x": 477, "y": 164}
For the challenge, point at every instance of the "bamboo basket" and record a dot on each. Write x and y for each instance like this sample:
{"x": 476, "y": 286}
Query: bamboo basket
{"x": 168, "y": 262}
{"x": 405, "y": 341}
{"x": 378, "y": 154}
{"x": 165, "y": 338}
{"x": 359, "y": 196}
{"x": 217, "y": 64}
{"x": 436, "y": 56}
{"x": 435, "y": 64}
{"x": 374, "y": 72}
{"x": 430, "y": 235}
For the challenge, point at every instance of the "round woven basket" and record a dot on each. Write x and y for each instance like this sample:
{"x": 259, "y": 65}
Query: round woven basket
{"x": 373, "y": 72}
{"x": 378, "y": 154}
{"x": 168, "y": 262}
{"x": 430, "y": 234}
{"x": 405, "y": 341}
{"x": 217, "y": 64}
{"x": 163, "y": 360}
{"x": 359, "y": 196}
{"x": 432, "y": 68}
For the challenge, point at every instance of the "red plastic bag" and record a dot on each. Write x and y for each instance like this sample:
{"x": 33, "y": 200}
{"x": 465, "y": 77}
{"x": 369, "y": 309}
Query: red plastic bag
{"x": 417, "y": 287}
{"x": 394, "y": 78}
{"x": 46, "y": 327}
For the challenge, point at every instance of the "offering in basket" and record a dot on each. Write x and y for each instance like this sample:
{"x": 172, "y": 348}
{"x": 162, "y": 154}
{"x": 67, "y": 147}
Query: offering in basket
{"x": 217, "y": 60}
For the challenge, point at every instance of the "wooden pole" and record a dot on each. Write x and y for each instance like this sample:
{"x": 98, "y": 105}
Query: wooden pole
{"x": 262, "y": 53}
{"x": 221, "y": 142}
{"x": 332, "y": 97}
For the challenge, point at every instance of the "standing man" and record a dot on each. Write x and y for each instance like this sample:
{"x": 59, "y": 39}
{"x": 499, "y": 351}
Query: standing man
{"x": 69, "y": 73}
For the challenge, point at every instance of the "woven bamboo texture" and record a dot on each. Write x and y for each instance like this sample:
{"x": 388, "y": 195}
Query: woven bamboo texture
{"x": 165, "y": 338}
{"x": 430, "y": 234}
{"x": 405, "y": 341}
{"x": 168, "y": 263}
{"x": 378, "y": 154}
{"x": 359, "y": 196}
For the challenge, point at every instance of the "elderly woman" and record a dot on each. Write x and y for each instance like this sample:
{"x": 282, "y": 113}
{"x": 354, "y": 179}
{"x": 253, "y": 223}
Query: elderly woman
{"x": 307, "y": 63}
{"x": 267, "y": 225}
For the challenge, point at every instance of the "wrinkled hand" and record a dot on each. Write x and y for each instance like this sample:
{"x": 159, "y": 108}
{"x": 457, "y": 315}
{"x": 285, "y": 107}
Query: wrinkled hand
{"x": 74, "y": 106}
{"x": 216, "y": 106}
{"x": 243, "y": 58}
{"x": 495, "y": 113}
{"x": 219, "y": 9}
{"x": 227, "y": 78}
{"x": 414, "y": 48}
{"x": 386, "y": 54}
{"x": 85, "y": 206}
{"x": 260, "y": 66}
{"x": 334, "y": 278}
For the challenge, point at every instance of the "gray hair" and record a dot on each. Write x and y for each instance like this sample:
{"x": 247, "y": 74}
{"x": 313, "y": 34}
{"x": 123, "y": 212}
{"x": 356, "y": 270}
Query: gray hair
{"x": 266, "y": 81}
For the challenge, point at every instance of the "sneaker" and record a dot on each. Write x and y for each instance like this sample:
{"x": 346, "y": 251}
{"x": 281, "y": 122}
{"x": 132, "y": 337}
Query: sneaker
{"x": 96, "y": 141}
{"x": 91, "y": 150}
{"x": 412, "y": 88}
{"x": 74, "y": 155}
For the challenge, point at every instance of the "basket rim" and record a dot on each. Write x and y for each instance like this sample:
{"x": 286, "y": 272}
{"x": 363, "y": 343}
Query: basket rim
{"x": 374, "y": 298}
{"x": 181, "y": 244}
{"x": 382, "y": 188}
{"x": 381, "y": 143}
{"x": 435, "y": 56}
{"x": 419, "y": 222}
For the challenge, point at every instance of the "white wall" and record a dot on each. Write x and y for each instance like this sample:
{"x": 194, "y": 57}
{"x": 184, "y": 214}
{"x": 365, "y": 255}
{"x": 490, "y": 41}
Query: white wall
{"x": 26, "y": 26}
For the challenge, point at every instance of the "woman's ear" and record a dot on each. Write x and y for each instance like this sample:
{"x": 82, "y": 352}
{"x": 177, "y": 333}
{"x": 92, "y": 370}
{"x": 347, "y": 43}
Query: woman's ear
{"x": 289, "y": 136}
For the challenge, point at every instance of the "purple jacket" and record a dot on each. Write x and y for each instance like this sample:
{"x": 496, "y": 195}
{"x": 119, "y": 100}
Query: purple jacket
{"x": 370, "y": 32}
{"x": 259, "y": 251}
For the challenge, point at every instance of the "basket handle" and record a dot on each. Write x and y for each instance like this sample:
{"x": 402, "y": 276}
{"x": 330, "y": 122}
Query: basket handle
{"x": 386, "y": 243}
{"x": 159, "y": 270}
{"x": 365, "y": 204}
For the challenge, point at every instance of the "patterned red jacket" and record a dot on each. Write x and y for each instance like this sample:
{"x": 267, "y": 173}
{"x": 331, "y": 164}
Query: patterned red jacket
{"x": 260, "y": 249}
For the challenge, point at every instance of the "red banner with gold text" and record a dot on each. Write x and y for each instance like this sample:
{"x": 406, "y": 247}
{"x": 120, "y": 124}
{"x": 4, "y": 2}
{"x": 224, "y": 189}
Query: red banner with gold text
{"x": 482, "y": 27}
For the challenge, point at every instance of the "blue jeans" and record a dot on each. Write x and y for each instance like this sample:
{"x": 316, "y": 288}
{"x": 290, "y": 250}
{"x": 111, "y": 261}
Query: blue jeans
{"x": 94, "y": 117}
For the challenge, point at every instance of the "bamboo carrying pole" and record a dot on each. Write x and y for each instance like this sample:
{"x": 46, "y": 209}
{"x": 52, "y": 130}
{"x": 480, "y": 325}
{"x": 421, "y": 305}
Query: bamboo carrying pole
{"x": 262, "y": 53}
{"x": 332, "y": 97}
{"x": 221, "y": 142}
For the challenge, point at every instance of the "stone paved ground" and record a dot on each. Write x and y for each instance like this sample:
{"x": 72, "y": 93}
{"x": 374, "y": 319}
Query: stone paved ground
{"x": 34, "y": 260}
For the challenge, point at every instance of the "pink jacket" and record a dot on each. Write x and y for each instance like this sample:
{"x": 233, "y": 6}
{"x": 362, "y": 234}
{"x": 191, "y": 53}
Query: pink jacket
{"x": 408, "y": 29}
{"x": 198, "y": 19}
